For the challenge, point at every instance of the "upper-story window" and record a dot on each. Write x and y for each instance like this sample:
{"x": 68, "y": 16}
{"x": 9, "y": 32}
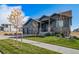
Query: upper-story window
{"x": 59, "y": 23}
{"x": 5, "y": 25}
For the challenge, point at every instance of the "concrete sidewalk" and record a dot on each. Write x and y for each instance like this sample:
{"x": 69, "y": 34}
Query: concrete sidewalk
{"x": 3, "y": 37}
{"x": 56, "y": 48}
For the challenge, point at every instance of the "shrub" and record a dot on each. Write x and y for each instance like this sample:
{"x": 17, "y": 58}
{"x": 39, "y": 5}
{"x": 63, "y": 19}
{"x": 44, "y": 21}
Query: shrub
{"x": 62, "y": 35}
{"x": 47, "y": 34}
{"x": 58, "y": 35}
{"x": 5, "y": 34}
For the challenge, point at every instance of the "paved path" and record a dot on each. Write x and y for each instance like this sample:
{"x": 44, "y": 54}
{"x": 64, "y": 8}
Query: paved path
{"x": 56, "y": 48}
{"x": 3, "y": 37}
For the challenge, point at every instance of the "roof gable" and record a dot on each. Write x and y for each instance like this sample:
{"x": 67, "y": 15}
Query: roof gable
{"x": 28, "y": 21}
{"x": 41, "y": 18}
{"x": 67, "y": 13}
{"x": 55, "y": 14}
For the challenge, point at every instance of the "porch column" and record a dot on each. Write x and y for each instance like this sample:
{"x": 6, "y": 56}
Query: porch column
{"x": 40, "y": 26}
{"x": 49, "y": 26}
{"x": 61, "y": 19}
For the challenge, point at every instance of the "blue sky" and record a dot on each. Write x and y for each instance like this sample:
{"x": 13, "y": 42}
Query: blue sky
{"x": 37, "y": 10}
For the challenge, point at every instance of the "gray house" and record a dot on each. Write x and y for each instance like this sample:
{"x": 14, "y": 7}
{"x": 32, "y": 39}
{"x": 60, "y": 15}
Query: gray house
{"x": 31, "y": 27}
{"x": 56, "y": 23}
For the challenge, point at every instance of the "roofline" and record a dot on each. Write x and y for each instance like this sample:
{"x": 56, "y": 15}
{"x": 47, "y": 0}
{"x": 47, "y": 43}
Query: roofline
{"x": 30, "y": 20}
{"x": 42, "y": 17}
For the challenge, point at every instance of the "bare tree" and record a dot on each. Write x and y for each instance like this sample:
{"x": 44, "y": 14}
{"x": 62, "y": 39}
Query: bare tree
{"x": 35, "y": 28}
{"x": 16, "y": 18}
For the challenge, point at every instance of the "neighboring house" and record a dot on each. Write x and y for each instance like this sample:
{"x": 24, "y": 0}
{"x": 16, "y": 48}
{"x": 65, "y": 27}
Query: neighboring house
{"x": 1, "y": 28}
{"x": 31, "y": 27}
{"x": 56, "y": 23}
{"x": 7, "y": 28}
{"x": 76, "y": 30}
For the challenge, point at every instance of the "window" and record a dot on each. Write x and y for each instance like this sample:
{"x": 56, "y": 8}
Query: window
{"x": 44, "y": 27}
{"x": 59, "y": 23}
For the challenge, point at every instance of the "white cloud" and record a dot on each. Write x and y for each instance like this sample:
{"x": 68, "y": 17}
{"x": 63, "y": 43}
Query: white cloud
{"x": 6, "y": 10}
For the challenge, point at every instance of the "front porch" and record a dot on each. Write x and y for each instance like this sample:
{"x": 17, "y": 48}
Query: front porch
{"x": 47, "y": 26}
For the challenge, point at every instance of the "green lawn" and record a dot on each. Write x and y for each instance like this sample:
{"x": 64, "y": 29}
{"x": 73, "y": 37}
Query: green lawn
{"x": 8, "y": 46}
{"x": 57, "y": 41}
